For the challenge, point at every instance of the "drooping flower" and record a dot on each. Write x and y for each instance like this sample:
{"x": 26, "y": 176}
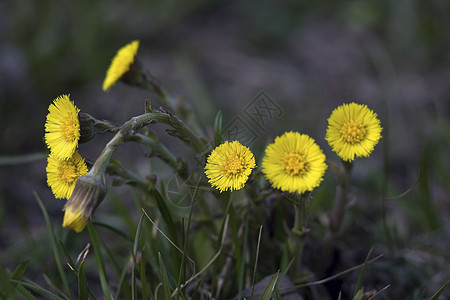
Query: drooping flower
{"x": 62, "y": 127}
{"x": 294, "y": 163}
{"x": 62, "y": 174}
{"x": 120, "y": 64}
{"x": 229, "y": 166}
{"x": 89, "y": 192}
{"x": 353, "y": 131}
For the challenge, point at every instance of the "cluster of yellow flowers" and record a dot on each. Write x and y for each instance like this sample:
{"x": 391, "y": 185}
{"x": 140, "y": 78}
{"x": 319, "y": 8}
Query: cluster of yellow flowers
{"x": 294, "y": 162}
{"x": 62, "y": 135}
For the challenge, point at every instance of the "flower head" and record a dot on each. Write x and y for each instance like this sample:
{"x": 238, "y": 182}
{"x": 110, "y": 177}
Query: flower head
{"x": 229, "y": 166}
{"x": 294, "y": 163}
{"x": 353, "y": 130}
{"x": 62, "y": 128}
{"x": 62, "y": 174}
{"x": 89, "y": 192}
{"x": 120, "y": 64}
{"x": 73, "y": 219}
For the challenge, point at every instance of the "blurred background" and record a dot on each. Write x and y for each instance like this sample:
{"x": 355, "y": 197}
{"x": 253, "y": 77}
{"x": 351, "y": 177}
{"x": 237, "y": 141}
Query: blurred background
{"x": 307, "y": 57}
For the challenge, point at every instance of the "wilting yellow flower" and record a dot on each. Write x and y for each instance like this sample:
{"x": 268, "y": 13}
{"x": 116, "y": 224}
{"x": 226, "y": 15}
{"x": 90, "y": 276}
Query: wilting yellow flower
{"x": 89, "y": 192}
{"x": 294, "y": 163}
{"x": 229, "y": 166}
{"x": 353, "y": 130}
{"x": 120, "y": 64}
{"x": 62, "y": 128}
{"x": 62, "y": 174}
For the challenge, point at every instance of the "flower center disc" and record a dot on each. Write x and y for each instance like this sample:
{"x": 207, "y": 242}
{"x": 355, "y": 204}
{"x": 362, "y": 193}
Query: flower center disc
{"x": 68, "y": 172}
{"x": 233, "y": 164}
{"x": 294, "y": 164}
{"x": 68, "y": 129}
{"x": 353, "y": 132}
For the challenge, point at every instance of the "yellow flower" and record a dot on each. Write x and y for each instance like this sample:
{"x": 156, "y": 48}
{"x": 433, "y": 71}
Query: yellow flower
{"x": 120, "y": 64}
{"x": 62, "y": 174}
{"x": 73, "y": 219}
{"x": 229, "y": 166}
{"x": 89, "y": 192}
{"x": 294, "y": 163}
{"x": 353, "y": 130}
{"x": 62, "y": 128}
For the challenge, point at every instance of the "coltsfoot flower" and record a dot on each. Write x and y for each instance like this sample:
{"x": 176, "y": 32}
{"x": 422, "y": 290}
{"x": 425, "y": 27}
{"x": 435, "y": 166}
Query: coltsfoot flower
{"x": 294, "y": 163}
{"x": 62, "y": 174}
{"x": 120, "y": 64}
{"x": 229, "y": 166}
{"x": 62, "y": 127}
{"x": 89, "y": 192}
{"x": 74, "y": 219}
{"x": 353, "y": 131}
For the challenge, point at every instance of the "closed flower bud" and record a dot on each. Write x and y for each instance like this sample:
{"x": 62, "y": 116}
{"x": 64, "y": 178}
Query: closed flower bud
{"x": 90, "y": 127}
{"x": 88, "y": 194}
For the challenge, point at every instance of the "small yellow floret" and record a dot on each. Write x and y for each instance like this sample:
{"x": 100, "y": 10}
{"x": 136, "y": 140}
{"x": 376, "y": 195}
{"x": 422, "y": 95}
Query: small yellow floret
{"x": 229, "y": 166}
{"x": 294, "y": 163}
{"x": 353, "y": 131}
{"x": 62, "y": 127}
{"x": 120, "y": 64}
{"x": 63, "y": 174}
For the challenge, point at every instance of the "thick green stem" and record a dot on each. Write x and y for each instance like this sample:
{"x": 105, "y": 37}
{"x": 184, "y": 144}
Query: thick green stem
{"x": 300, "y": 216}
{"x": 341, "y": 197}
{"x": 298, "y": 233}
{"x": 337, "y": 215}
{"x": 180, "y": 130}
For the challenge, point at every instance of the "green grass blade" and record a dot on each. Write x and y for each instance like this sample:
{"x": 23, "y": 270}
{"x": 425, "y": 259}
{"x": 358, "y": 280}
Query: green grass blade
{"x": 135, "y": 252}
{"x": 440, "y": 291}
{"x": 256, "y": 261}
{"x": 361, "y": 275}
{"x": 100, "y": 262}
{"x": 25, "y": 293}
{"x": 182, "y": 273}
{"x": 114, "y": 229}
{"x": 22, "y": 159}
{"x": 146, "y": 292}
{"x": 359, "y": 294}
{"x": 82, "y": 283}
{"x": 121, "y": 283}
{"x": 19, "y": 270}
{"x": 270, "y": 287}
{"x": 166, "y": 215}
{"x": 164, "y": 278}
{"x": 196, "y": 289}
{"x": 379, "y": 292}
{"x": 66, "y": 253}
{"x": 55, "y": 247}
{"x": 38, "y": 289}
{"x": 276, "y": 292}
{"x": 7, "y": 287}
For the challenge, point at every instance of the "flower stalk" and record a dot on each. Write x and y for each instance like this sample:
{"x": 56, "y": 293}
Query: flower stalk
{"x": 342, "y": 175}
{"x": 299, "y": 230}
